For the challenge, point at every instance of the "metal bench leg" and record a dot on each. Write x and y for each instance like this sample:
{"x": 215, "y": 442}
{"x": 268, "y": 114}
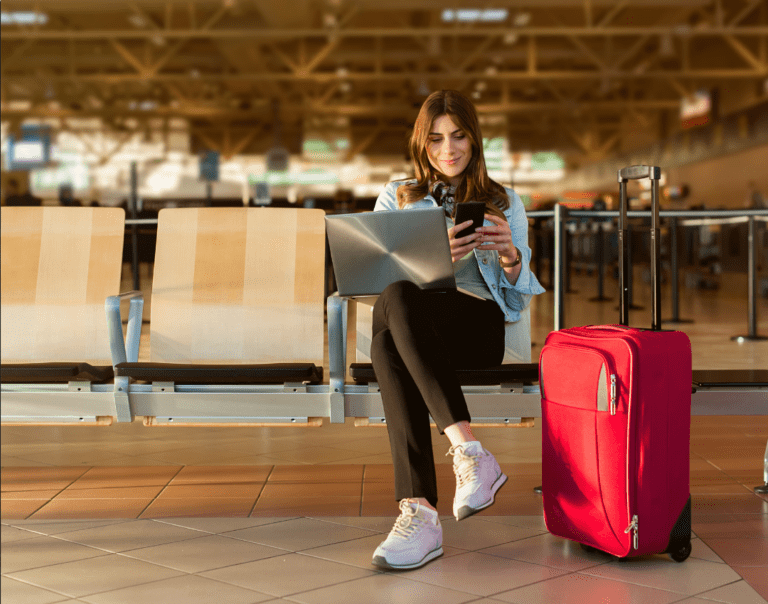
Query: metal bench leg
{"x": 123, "y": 411}
{"x": 763, "y": 489}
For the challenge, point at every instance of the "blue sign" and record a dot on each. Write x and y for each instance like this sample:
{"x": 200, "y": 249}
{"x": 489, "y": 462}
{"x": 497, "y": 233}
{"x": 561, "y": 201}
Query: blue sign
{"x": 209, "y": 165}
{"x": 31, "y": 150}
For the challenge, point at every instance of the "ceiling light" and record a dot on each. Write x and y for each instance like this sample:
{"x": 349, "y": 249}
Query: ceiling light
{"x": 23, "y": 18}
{"x": 510, "y": 38}
{"x": 473, "y": 15}
{"x": 522, "y": 19}
{"x": 433, "y": 46}
{"x": 137, "y": 21}
{"x": 329, "y": 20}
{"x": 666, "y": 48}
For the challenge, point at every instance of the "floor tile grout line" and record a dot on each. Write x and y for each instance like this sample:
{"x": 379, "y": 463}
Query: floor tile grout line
{"x": 128, "y": 550}
{"x": 373, "y": 571}
{"x": 659, "y": 588}
{"x": 184, "y": 573}
{"x": 9, "y": 576}
{"x": 158, "y": 494}
{"x": 714, "y": 588}
{"x": 60, "y": 491}
{"x": 325, "y": 519}
{"x": 261, "y": 491}
{"x": 43, "y": 504}
{"x": 739, "y": 580}
{"x": 362, "y": 492}
{"x": 565, "y": 574}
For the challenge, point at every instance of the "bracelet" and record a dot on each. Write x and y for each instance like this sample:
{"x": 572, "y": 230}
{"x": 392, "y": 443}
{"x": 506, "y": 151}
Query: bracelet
{"x": 517, "y": 260}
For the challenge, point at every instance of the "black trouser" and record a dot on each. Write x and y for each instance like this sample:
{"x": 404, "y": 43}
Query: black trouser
{"x": 418, "y": 341}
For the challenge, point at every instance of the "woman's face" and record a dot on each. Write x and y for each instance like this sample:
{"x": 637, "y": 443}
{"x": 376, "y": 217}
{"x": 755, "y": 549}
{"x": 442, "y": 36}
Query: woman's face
{"x": 448, "y": 148}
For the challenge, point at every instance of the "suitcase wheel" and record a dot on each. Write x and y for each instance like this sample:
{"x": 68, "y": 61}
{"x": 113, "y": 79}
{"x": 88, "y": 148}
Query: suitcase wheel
{"x": 681, "y": 554}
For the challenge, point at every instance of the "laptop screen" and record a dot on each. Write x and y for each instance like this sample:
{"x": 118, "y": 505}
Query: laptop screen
{"x": 371, "y": 250}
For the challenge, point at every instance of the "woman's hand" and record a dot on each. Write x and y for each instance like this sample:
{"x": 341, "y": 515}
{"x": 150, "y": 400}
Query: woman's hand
{"x": 499, "y": 238}
{"x": 462, "y": 246}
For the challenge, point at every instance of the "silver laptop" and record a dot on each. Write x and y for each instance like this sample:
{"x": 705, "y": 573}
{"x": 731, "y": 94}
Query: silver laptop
{"x": 371, "y": 250}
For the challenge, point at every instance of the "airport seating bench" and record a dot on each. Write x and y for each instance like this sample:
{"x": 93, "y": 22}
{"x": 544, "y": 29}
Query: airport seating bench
{"x": 58, "y": 266}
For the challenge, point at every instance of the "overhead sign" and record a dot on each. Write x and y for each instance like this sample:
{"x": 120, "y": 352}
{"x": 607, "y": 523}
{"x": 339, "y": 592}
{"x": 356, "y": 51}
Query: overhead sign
{"x": 30, "y": 150}
{"x": 209, "y": 166}
{"x": 277, "y": 159}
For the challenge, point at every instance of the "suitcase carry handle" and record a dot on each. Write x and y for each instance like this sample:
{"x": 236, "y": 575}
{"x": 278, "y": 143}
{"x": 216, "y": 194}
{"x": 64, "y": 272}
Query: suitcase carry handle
{"x": 635, "y": 173}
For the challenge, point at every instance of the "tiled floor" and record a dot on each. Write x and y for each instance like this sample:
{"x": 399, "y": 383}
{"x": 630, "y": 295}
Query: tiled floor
{"x": 254, "y": 531}
{"x": 196, "y": 515}
{"x": 327, "y": 559}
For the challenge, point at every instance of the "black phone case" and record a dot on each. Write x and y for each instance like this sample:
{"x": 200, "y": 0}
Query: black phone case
{"x": 473, "y": 210}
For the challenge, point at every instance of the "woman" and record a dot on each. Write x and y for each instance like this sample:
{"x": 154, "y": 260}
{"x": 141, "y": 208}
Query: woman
{"x": 419, "y": 338}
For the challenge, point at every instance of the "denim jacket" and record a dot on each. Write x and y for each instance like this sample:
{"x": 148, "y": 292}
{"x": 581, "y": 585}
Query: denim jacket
{"x": 511, "y": 298}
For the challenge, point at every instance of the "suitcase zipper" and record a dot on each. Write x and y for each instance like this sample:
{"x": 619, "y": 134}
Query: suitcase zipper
{"x": 633, "y": 527}
{"x": 613, "y": 394}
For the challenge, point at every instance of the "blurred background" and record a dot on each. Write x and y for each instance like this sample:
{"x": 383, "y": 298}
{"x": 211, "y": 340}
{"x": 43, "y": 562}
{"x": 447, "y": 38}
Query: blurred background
{"x": 311, "y": 102}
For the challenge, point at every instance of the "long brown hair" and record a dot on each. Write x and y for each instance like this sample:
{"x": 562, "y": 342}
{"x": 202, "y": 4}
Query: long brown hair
{"x": 475, "y": 184}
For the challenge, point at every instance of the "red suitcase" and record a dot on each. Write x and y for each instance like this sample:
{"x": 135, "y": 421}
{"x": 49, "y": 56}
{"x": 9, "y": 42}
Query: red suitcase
{"x": 616, "y": 416}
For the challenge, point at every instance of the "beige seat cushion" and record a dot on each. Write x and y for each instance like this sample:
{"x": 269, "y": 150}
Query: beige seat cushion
{"x": 59, "y": 264}
{"x": 238, "y": 285}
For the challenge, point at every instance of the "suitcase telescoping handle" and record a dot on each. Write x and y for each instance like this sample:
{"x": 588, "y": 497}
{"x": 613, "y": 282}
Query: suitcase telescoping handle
{"x": 636, "y": 173}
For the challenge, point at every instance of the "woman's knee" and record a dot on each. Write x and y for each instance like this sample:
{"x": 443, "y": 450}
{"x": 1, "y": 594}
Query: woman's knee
{"x": 381, "y": 343}
{"x": 399, "y": 290}
{"x": 394, "y": 303}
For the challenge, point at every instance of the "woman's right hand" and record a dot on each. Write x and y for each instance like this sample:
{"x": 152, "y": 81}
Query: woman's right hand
{"x": 462, "y": 246}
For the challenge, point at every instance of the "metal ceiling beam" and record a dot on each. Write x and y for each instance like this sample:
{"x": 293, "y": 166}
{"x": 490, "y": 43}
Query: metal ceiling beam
{"x": 347, "y": 109}
{"x": 745, "y": 54}
{"x": 391, "y": 32}
{"x": 325, "y": 77}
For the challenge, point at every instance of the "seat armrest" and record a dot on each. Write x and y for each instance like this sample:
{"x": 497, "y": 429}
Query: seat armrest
{"x": 124, "y": 349}
{"x": 337, "y": 308}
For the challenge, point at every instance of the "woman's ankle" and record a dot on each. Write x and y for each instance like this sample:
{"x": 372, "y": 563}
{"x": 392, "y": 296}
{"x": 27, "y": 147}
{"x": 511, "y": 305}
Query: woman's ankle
{"x": 425, "y": 504}
{"x": 459, "y": 433}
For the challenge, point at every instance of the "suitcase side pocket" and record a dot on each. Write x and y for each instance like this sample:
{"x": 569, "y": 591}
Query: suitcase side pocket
{"x": 578, "y": 376}
{"x": 579, "y": 456}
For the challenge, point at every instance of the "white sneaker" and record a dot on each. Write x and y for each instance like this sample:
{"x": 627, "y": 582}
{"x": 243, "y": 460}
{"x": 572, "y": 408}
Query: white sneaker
{"x": 478, "y": 478}
{"x": 416, "y": 538}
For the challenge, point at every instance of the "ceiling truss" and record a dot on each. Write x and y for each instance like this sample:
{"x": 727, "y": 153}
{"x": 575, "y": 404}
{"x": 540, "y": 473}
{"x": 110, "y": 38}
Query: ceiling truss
{"x": 578, "y": 75}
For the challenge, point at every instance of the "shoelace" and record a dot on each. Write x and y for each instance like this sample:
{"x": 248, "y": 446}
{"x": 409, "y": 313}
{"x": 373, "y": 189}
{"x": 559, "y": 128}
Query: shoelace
{"x": 407, "y": 523}
{"x": 465, "y": 466}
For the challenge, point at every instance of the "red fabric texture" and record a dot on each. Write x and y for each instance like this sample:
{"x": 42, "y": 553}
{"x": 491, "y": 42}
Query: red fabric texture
{"x": 598, "y": 469}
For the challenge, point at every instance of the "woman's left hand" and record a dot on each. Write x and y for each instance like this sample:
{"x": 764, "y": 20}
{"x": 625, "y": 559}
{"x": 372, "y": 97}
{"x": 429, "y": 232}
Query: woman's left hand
{"x": 499, "y": 238}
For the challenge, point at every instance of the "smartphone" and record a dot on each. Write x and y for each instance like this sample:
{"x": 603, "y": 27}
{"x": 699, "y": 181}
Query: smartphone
{"x": 471, "y": 210}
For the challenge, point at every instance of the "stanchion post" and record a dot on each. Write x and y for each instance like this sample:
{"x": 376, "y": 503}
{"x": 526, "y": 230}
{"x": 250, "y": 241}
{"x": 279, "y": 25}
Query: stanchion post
{"x": 751, "y": 286}
{"x": 568, "y": 257}
{"x": 674, "y": 278}
{"x": 600, "y": 245}
{"x": 537, "y": 238}
{"x": 134, "y": 226}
